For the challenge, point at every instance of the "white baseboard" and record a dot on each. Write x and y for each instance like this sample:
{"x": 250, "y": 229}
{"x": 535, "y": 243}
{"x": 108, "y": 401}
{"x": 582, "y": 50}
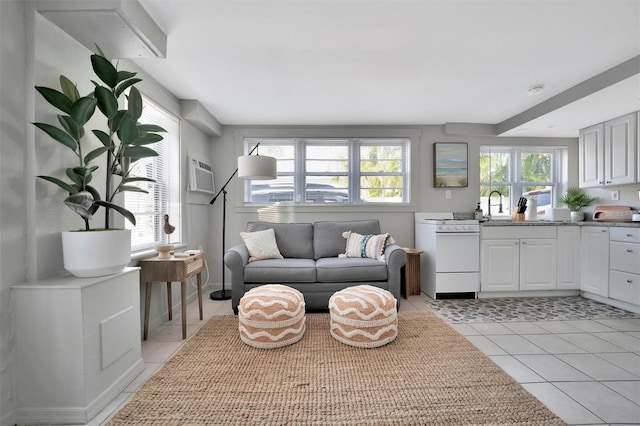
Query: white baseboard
{"x": 617, "y": 303}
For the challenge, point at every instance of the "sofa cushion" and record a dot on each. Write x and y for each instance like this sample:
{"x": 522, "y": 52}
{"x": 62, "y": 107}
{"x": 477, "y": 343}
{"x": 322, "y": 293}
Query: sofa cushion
{"x": 327, "y": 235}
{"x": 351, "y": 269}
{"x": 281, "y": 271}
{"x": 295, "y": 240}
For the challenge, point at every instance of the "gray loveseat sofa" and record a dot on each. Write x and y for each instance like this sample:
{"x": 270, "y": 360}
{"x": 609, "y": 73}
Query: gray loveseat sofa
{"x": 311, "y": 263}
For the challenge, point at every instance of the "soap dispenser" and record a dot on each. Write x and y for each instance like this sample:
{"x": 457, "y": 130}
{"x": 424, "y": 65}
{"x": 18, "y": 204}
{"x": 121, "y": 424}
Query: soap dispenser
{"x": 478, "y": 213}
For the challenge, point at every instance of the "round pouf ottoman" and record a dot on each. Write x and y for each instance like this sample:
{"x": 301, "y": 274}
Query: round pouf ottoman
{"x": 363, "y": 316}
{"x": 271, "y": 316}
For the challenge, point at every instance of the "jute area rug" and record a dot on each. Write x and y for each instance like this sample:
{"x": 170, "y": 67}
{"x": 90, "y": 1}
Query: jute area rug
{"x": 429, "y": 375}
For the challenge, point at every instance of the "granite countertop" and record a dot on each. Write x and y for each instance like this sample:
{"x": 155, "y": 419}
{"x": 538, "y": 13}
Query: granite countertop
{"x": 503, "y": 222}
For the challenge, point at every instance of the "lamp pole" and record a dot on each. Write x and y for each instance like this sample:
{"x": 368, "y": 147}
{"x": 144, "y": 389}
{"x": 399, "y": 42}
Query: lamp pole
{"x": 224, "y": 294}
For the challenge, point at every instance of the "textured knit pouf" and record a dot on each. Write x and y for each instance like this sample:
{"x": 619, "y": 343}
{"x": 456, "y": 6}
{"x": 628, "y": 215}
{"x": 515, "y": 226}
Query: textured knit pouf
{"x": 363, "y": 316}
{"x": 271, "y": 316}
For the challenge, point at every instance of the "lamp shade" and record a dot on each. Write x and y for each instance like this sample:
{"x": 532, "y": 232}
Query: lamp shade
{"x": 258, "y": 167}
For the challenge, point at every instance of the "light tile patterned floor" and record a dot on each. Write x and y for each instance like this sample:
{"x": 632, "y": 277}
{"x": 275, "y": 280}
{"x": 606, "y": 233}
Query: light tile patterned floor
{"x": 585, "y": 370}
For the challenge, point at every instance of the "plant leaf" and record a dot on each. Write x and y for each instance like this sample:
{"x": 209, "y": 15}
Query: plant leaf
{"x": 116, "y": 121}
{"x": 82, "y": 110}
{"x": 125, "y": 75}
{"x": 71, "y": 127}
{"x": 136, "y": 152}
{"x": 96, "y": 153}
{"x": 103, "y": 137}
{"x": 77, "y": 178}
{"x": 125, "y": 84}
{"x": 80, "y": 203}
{"x": 55, "y": 98}
{"x": 150, "y": 128}
{"x": 138, "y": 179}
{"x": 107, "y": 102}
{"x": 58, "y": 135}
{"x": 104, "y": 70}
{"x": 124, "y": 212}
{"x": 69, "y": 88}
{"x": 149, "y": 138}
{"x": 128, "y": 131}
{"x": 131, "y": 188}
{"x": 65, "y": 186}
{"x": 99, "y": 51}
{"x": 135, "y": 104}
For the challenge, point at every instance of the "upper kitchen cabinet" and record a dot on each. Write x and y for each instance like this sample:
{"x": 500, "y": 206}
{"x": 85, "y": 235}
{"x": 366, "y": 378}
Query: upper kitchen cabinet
{"x": 608, "y": 152}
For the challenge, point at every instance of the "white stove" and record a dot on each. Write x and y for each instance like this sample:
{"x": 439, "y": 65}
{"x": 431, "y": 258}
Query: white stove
{"x": 450, "y": 263}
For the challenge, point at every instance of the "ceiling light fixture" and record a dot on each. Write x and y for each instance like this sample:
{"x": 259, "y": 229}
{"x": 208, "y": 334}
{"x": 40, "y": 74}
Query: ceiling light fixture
{"x": 535, "y": 90}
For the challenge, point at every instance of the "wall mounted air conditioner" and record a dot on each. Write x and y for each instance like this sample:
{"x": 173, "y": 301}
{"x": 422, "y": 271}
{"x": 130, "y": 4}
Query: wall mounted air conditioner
{"x": 201, "y": 176}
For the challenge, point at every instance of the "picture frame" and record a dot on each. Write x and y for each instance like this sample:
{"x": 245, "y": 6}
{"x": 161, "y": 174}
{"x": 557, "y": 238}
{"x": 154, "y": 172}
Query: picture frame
{"x": 450, "y": 165}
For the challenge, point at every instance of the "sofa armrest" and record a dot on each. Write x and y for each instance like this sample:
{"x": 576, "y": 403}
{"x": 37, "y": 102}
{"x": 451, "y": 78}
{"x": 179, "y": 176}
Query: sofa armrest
{"x": 236, "y": 258}
{"x": 395, "y": 257}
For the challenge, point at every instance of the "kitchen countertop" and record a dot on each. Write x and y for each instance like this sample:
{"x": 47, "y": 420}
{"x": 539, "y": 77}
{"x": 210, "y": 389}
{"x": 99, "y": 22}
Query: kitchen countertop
{"x": 504, "y": 222}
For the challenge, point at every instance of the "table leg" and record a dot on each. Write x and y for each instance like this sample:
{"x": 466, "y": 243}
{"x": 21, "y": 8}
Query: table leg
{"x": 184, "y": 308}
{"x": 147, "y": 303}
{"x": 169, "y": 303}
{"x": 199, "y": 279}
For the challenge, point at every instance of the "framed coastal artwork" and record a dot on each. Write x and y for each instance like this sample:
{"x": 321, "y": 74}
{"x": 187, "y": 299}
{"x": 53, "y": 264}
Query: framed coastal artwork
{"x": 450, "y": 165}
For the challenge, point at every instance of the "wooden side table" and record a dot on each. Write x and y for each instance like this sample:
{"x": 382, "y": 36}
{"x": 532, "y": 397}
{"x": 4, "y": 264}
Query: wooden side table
{"x": 412, "y": 272}
{"x": 169, "y": 270}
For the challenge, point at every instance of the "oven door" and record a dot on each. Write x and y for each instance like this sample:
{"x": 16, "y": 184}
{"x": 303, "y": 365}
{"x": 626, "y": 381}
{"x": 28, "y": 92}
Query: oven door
{"x": 457, "y": 252}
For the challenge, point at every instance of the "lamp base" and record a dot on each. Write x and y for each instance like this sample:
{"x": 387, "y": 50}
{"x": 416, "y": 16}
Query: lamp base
{"x": 220, "y": 295}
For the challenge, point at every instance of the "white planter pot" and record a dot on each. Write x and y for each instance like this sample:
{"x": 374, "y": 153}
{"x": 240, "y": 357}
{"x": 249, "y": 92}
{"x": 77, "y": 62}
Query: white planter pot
{"x": 96, "y": 253}
{"x": 577, "y": 216}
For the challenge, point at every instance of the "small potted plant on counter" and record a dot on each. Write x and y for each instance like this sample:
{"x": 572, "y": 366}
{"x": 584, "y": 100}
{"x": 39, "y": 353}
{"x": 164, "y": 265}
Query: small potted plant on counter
{"x": 575, "y": 199}
{"x": 119, "y": 144}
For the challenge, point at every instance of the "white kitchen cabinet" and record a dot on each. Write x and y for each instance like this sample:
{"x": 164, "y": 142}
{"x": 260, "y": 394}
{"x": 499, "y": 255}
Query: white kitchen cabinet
{"x": 77, "y": 345}
{"x": 594, "y": 252}
{"x": 568, "y": 250}
{"x": 591, "y": 156}
{"x": 608, "y": 152}
{"x": 500, "y": 265}
{"x": 518, "y": 258}
{"x": 620, "y": 150}
{"x": 624, "y": 272}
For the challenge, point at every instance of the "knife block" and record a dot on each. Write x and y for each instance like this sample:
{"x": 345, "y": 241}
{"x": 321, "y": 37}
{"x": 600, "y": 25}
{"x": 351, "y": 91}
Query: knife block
{"x": 517, "y": 217}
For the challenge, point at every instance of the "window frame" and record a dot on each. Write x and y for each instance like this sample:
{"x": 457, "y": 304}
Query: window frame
{"x": 354, "y": 174}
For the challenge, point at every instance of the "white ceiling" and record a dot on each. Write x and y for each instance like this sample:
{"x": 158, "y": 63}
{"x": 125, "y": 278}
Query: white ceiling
{"x": 395, "y": 62}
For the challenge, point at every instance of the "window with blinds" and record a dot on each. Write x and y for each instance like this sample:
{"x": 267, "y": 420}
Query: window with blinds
{"x": 163, "y": 196}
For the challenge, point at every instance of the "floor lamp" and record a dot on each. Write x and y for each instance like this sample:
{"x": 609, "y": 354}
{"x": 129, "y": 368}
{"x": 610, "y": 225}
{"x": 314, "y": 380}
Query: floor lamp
{"x": 252, "y": 167}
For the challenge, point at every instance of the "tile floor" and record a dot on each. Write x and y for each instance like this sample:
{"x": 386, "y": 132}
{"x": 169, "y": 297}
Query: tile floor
{"x": 585, "y": 371}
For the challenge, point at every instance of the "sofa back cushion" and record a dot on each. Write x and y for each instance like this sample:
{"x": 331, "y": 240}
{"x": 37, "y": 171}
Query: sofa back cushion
{"x": 327, "y": 235}
{"x": 294, "y": 240}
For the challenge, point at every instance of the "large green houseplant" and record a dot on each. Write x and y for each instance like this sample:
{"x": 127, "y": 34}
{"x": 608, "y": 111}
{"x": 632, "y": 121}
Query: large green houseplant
{"x": 122, "y": 141}
{"x": 575, "y": 199}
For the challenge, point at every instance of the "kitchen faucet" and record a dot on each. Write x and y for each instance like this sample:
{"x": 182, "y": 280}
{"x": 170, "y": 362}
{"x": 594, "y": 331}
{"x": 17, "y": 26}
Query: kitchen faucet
{"x": 489, "y": 203}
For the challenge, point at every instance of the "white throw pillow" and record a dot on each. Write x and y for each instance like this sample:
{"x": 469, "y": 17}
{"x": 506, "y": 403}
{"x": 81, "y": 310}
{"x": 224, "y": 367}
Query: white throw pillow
{"x": 261, "y": 244}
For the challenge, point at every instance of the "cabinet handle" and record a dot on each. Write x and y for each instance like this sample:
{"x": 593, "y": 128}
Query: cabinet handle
{"x": 603, "y": 230}
{"x": 630, "y": 281}
{"x": 629, "y": 250}
{"x": 608, "y": 181}
{"x": 524, "y": 242}
{"x": 601, "y": 183}
{"x": 629, "y": 235}
{"x": 517, "y": 242}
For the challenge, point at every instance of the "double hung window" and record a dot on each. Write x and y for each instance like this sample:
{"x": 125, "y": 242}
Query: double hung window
{"x": 538, "y": 172}
{"x": 163, "y": 196}
{"x": 321, "y": 171}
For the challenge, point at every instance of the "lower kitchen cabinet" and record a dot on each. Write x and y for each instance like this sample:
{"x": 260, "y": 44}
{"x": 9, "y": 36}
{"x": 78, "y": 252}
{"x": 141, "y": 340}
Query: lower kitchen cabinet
{"x": 568, "y": 250}
{"x": 624, "y": 274}
{"x": 594, "y": 252}
{"x": 526, "y": 261}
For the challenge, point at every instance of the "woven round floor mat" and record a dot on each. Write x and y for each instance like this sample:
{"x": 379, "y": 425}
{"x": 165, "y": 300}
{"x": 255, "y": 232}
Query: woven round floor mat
{"x": 430, "y": 374}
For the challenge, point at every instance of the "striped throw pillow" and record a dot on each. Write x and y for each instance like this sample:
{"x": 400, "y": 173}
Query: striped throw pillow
{"x": 371, "y": 246}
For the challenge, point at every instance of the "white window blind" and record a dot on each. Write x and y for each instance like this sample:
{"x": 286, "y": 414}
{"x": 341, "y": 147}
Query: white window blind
{"x": 163, "y": 196}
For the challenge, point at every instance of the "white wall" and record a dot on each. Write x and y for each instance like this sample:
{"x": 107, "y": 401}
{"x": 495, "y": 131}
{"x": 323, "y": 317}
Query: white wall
{"x": 35, "y": 52}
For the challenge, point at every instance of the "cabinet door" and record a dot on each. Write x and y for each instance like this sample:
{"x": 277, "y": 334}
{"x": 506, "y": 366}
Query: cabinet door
{"x": 568, "y": 277}
{"x": 538, "y": 264}
{"x": 500, "y": 264}
{"x": 591, "y": 152}
{"x": 620, "y": 150}
{"x": 594, "y": 258}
